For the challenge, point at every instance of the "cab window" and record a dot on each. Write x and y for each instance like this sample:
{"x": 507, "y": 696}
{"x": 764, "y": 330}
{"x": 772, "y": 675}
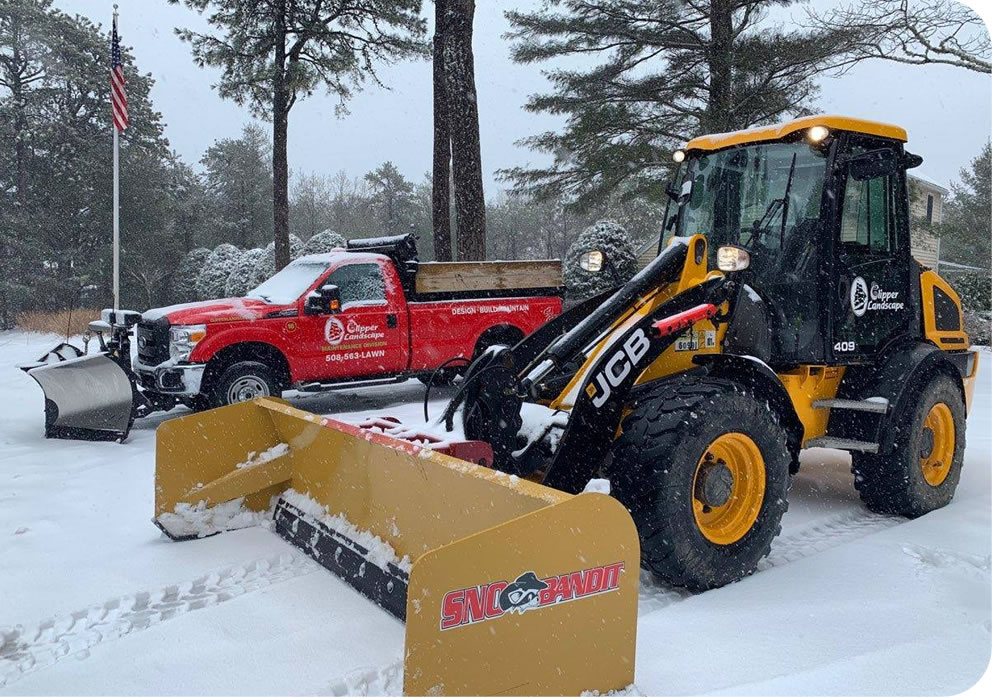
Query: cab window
{"x": 359, "y": 284}
{"x": 867, "y": 220}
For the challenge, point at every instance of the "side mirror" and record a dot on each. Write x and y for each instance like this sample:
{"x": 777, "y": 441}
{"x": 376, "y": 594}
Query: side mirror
{"x": 874, "y": 164}
{"x": 591, "y": 261}
{"x": 323, "y": 301}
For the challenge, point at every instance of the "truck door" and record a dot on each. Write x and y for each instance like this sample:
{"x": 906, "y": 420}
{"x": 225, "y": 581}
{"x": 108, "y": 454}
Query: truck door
{"x": 872, "y": 255}
{"x": 369, "y": 335}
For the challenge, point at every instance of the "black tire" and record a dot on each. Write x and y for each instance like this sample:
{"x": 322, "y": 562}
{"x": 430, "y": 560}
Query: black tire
{"x": 242, "y": 382}
{"x": 654, "y": 474}
{"x": 894, "y": 480}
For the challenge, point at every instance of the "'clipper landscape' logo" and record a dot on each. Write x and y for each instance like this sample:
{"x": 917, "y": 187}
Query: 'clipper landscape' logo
{"x": 876, "y": 299}
{"x": 526, "y": 592}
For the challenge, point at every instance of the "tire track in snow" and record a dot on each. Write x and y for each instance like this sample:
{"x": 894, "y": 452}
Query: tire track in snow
{"x": 817, "y": 537}
{"x": 26, "y": 649}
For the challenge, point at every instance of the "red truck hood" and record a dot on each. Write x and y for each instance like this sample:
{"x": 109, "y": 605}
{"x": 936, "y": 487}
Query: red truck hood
{"x": 207, "y": 311}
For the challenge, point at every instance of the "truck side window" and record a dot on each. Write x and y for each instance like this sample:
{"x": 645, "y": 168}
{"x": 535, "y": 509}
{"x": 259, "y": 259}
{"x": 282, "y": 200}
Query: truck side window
{"x": 359, "y": 283}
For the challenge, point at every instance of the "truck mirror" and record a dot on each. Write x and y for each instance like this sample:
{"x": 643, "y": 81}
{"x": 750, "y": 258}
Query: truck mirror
{"x": 326, "y": 300}
{"x": 873, "y": 164}
{"x": 591, "y": 261}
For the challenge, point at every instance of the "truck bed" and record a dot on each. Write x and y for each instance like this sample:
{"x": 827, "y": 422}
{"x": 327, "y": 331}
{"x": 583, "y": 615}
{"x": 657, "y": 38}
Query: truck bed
{"x": 483, "y": 276}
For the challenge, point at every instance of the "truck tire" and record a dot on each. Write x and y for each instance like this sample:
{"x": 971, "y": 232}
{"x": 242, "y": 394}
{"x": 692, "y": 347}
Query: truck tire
{"x": 242, "y": 382}
{"x": 921, "y": 470}
{"x": 703, "y": 468}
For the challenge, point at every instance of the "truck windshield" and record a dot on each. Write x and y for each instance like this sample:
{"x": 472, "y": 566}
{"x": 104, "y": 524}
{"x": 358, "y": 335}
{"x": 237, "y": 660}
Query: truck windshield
{"x": 288, "y": 285}
{"x": 765, "y": 198}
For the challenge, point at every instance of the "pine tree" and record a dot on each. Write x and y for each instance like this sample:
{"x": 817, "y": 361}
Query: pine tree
{"x": 273, "y": 54}
{"x": 666, "y": 70}
{"x": 463, "y": 124}
{"x": 391, "y": 198}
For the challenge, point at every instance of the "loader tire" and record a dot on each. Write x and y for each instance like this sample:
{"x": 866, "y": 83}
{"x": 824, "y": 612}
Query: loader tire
{"x": 242, "y": 382}
{"x": 921, "y": 470}
{"x": 700, "y": 527}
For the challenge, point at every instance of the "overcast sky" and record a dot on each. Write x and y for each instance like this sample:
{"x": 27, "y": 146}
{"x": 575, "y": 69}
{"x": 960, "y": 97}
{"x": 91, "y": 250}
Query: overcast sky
{"x": 947, "y": 111}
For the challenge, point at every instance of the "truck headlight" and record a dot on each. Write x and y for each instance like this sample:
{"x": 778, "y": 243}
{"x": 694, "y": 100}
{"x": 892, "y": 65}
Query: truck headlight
{"x": 182, "y": 339}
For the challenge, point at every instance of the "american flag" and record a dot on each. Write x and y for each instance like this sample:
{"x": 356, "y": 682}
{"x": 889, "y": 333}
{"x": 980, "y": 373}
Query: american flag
{"x": 117, "y": 95}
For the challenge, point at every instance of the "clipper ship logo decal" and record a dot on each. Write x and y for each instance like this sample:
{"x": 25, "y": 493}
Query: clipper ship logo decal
{"x": 859, "y": 296}
{"x": 525, "y": 593}
{"x": 334, "y": 331}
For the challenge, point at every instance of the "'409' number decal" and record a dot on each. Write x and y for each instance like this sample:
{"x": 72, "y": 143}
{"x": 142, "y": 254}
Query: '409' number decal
{"x": 845, "y": 346}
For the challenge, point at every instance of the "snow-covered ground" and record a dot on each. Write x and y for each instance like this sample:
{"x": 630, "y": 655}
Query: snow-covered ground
{"x": 94, "y": 600}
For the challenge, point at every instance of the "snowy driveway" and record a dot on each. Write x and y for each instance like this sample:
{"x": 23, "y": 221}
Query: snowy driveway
{"x": 94, "y": 600}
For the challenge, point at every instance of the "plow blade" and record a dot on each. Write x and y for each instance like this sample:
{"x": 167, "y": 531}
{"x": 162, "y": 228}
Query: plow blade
{"x": 86, "y": 397}
{"x": 506, "y": 586}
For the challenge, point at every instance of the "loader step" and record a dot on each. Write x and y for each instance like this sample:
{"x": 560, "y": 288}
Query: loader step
{"x": 861, "y": 446}
{"x": 346, "y": 558}
{"x": 877, "y": 407}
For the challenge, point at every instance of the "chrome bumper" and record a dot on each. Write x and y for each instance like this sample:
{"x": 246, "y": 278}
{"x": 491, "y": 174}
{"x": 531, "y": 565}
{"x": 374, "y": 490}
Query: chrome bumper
{"x": 170, "y": 379}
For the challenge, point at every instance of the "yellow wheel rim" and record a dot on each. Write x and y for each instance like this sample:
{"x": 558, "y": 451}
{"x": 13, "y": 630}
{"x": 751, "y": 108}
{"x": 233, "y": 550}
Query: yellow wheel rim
{"x": 737, "y": 455}
{"x": 937, "y": 451}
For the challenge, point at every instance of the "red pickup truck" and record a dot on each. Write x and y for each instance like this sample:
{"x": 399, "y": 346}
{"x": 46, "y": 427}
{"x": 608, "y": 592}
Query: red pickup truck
{"x": 367, "y": 313}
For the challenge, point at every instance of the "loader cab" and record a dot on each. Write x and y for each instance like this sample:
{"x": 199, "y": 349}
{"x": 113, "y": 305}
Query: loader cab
{"x": 823, "y": 213}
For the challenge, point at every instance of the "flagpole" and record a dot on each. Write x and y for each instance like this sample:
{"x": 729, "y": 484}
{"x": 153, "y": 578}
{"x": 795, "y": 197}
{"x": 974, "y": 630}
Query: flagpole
{"x": 117, "y": 221}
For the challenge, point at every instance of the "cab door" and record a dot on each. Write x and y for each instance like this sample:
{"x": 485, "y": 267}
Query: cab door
{"x": 872, "y": 258}
{"x": 369, "y": 336}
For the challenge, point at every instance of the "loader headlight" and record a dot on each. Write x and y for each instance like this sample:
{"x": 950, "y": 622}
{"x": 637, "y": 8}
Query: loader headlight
{"x": 591, "y": 261}
{"x": 730, "y": 258}
{"x": 182, "y": 339}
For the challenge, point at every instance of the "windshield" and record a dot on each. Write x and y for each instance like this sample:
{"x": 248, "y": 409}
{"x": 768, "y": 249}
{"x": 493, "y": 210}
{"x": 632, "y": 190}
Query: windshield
{"x": 761, "y": 197}
{"x": 288, "y": 285}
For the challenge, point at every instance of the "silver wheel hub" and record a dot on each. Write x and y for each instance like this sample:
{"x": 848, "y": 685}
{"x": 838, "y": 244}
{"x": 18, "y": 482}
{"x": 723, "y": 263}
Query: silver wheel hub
{"x": 246, "y": 389}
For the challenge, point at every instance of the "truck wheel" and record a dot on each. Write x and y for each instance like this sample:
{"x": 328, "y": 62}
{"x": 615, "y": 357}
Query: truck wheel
{"x": 703, "y": 468}
{"x": 921, "y": 470}
{"x": 242, "y": 382}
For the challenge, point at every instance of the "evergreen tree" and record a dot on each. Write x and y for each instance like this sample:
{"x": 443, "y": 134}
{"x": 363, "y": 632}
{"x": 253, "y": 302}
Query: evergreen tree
{"x": 273, "y": 54}
{"x": 666, "y": 70}
{"x": 463, "y": 125}
{"x": 966, "y": 228}
{"x": 238, "y": 178}
{"x": 391, "y": 198}
{"x": 55, "y": 165}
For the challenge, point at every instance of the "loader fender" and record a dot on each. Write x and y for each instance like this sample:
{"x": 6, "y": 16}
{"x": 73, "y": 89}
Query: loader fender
{"x": 761, "y": 381}
{"x": 898, "y": 378}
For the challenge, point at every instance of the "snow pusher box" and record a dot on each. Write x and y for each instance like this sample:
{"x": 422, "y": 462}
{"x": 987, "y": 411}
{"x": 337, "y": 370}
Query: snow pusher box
{"x": 368, "y": 314}
{"x": 506, "y": 586}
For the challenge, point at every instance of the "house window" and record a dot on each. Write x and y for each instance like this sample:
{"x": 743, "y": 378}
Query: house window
{"x": 929, "y": 208}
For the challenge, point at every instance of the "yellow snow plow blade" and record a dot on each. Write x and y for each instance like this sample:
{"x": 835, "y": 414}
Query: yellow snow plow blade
{"x": 506, "y": 586}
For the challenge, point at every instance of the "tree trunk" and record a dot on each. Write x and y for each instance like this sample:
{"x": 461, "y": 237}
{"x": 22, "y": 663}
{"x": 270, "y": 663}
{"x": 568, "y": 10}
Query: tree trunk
{"x": 440, "y": 191}
{"x": 459, "y": 67}
{"x": 719, "y": 117}
{"x": 280, "y": 137}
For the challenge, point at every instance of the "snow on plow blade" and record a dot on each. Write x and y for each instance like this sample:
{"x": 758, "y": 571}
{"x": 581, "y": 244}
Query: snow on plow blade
{"x": 506, "y": 586}
{"x": 89, "y": 397}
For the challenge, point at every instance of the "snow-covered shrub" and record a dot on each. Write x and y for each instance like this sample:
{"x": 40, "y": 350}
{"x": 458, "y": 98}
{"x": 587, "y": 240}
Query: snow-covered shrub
{"x": 323, "y": 242}
{"x": 266, "y": 266}
{"x": 182, "y": 288}
{"x": 247, "y": 267}
{"x": 217, "y": 267}
{"x": 613, "y": 240}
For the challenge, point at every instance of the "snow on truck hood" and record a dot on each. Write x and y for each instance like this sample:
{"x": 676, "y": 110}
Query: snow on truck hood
{"x": 207, "y": 311}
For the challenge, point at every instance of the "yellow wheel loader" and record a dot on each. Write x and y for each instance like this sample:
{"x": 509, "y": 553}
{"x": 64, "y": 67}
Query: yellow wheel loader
{"x": 783, "y": 311}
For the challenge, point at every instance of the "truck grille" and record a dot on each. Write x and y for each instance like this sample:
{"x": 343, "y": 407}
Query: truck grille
{"x": 153, "y": 341}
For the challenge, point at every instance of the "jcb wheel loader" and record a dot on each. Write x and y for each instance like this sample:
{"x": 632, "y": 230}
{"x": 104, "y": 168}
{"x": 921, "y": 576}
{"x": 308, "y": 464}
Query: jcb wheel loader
{"x": 783, "y": 311}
